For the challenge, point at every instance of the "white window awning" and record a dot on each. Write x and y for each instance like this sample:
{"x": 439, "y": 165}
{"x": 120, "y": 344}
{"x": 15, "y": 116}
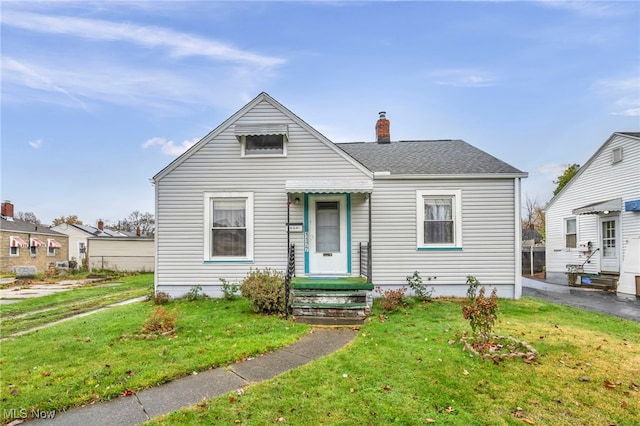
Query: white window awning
{"x": 35, "y": 242}
{"x": 605, "y": 207}
{"x": 17, "y": 242}
{"x": 328, "y": 186}
{"x": 53, "y": 243}
{"x": 261, "y": 129}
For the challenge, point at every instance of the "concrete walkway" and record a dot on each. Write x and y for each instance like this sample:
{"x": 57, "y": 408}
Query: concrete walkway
{"x": 622, "y": 306}
{"x": 146, "y": 404}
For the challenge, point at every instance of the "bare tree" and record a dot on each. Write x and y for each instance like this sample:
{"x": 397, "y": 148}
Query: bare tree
{"x": 534, "y": 216}
{"x": 135, "y": 220}
{"x": 28, "y": 217}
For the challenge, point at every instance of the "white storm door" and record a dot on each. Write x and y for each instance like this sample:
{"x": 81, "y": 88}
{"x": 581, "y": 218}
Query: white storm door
{"x": 327, "y": 234}
{"x": 610, "y": 243}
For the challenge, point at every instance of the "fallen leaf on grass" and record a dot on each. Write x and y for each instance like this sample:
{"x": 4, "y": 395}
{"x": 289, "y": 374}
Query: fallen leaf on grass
{"x": 127, "y": 393}
{"x": 528, "y": 421}
{"x": 387, "y": 388}
{"x": 430, "y": 421}
{"x": 608, "y": 384}
{"x": 449, "y": 409}
{"x": 624, "y": 404}
{"x": 465, "y": 372}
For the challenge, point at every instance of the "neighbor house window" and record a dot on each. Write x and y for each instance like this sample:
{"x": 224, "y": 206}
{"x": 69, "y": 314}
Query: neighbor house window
{"x": 33, "y": 250}
{"x": 52, "y": 245}
{"x": 14, "y": 245}
{"x": 439, "y": 219}
{"x": 570, "y": 233}
{"x": 229, "y": 227}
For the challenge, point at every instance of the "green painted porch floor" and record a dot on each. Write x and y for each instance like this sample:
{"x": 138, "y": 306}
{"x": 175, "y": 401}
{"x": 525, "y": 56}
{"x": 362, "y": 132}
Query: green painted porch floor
{"x": 331, "y": 283}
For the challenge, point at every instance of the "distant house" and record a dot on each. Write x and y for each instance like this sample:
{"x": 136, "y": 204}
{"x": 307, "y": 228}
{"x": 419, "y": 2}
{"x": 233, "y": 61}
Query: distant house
{"x": 25, "y": 244}
{"x": 593, "y": 223}
{"x": 103, "y": 248}
{"x": 265, "y": 188}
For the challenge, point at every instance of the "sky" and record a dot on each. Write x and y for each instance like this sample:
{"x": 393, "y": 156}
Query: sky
{"x": 98, "y": 97}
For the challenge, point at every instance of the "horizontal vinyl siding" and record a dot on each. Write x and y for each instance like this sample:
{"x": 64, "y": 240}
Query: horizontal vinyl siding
{"x": 121, "y": 254}
{"x": 488, "y": 235}
{"x": 218, "y": 167}
{"x": 599, "y": 181}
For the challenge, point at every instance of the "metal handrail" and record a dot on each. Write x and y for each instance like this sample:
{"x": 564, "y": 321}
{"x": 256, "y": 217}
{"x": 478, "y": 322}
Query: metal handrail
{"x": 291, "y": 272}
{"x": 589, "y": 258}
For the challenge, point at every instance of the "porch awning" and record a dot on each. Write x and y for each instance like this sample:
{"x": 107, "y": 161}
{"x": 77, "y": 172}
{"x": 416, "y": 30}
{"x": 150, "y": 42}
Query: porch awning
{"x": 328, "y": 186}
{"x": 36, "y": 242}
{"x": 53, "y": 243}
{"x": 605, "y": 207}
{"x": 17, "y": 242}
{"x": 261, "y": 129}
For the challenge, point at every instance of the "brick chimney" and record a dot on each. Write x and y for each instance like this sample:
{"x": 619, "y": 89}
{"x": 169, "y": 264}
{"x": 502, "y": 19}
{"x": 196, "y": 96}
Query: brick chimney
{"x": 7, "y": 209}
{"x": 383, "y": 129}
{"x": 101, "y": 225}
{"x": 138, "y": 231}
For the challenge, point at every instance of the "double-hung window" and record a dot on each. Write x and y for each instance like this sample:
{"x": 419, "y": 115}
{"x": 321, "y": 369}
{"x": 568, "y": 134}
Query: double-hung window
{"x": 439, "y": 219}
{"x": 570, "y": 233}
{"x": 229, "y": 226}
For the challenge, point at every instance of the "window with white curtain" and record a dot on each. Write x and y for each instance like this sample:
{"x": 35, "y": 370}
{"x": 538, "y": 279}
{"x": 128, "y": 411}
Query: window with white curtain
{"x": 439, "y": 219}
{"x": 229, "y": 226}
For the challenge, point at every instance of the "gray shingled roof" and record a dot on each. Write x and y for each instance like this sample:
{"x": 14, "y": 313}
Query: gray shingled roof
{"x": 18, "y": 225}
{"x": 433, "y": 157}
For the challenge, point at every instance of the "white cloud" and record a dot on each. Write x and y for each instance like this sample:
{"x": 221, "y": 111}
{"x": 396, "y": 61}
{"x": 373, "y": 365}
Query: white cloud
{"x": 551, "y": 168}
{"x": 625, "y": 93}
{"x": 464, "y": 78}
{"x": 176, "y": 43}
{"x": 170, "y": 147}
{"x": 121, "y": 84}
{"x": 586, "y": 8}
{"x": 25, "y": 75}
{"x": 35, "y": 144}
{"x": 631, "y": 112}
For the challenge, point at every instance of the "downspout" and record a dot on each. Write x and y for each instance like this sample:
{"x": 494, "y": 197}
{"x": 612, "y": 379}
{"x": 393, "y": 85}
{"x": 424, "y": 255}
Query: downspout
{"x": 517, "y": 290}
{"x": 369, "y": 261}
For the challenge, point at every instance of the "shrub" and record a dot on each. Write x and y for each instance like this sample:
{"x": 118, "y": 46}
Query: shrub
{"x": 265, "y": 290}
{"x": 473, "y": 283}
{"x": 194, "y": 293}
{"x": 229, "y": 289}
{"x": 160, "y": 298}
{"x": 391, "y": 300}
{"x": 160, "y": 321}
{"x": 481, "y": 313}
{"x": 421, "y": 291}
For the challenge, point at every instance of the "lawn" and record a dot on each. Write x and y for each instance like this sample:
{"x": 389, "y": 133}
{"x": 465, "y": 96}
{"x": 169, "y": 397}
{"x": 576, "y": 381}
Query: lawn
{"x": 33, "y": 312}
{"x": 409, "y": 368}
{"x": 103, "y": 355}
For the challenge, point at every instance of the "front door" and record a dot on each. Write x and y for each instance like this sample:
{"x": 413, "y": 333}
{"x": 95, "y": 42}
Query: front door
{"x": 610, "y": 243}
{"x": 327, "y": 235}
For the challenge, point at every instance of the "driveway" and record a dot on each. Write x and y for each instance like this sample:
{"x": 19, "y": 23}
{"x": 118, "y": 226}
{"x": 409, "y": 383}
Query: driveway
{"x": 623, "y": 306}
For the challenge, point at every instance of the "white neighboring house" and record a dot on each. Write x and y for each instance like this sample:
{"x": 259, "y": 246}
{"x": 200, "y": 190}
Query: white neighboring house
{"x": 108, "y": 249}
{"x": 264, "y": 179}
{"x": 594, "y": 221}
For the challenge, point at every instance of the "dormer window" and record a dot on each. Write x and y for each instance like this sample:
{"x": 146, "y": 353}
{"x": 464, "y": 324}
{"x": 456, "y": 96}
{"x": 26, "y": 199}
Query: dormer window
{"x": 265, "y": 140}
